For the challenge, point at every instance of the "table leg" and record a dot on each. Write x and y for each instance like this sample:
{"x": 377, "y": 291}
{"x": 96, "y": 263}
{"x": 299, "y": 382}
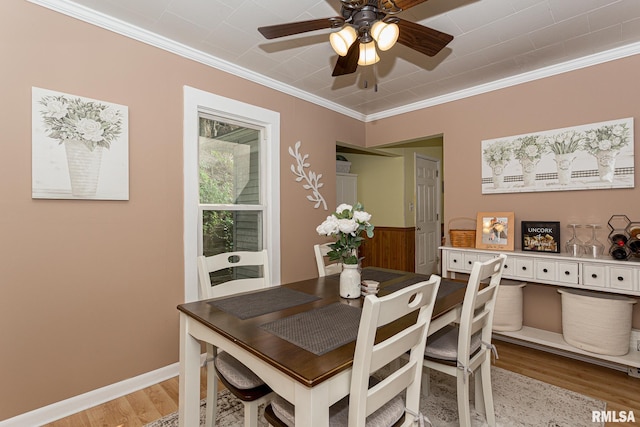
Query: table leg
{"x": 189, "y": 381}
{"x": 312, "y": 405}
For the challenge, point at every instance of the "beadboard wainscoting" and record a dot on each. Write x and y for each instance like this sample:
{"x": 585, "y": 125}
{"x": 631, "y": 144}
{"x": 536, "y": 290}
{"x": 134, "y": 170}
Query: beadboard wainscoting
{"x": 390, "y": 247}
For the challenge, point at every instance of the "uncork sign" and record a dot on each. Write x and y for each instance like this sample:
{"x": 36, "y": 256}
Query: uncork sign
{"x": 538, "y": 236}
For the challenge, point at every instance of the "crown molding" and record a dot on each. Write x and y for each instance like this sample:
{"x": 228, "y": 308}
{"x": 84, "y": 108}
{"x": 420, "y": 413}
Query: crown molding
{"x": 101, "y": 20}
{"x": 91, "y": 16}
{"x": 552, "y": 70}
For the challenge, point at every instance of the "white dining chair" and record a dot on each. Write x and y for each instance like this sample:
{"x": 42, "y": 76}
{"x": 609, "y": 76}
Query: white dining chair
{"x": 324, "y": 268}
{"x": 236, "y": 377}
{"x": 464, "y": 348}
{"x": 379, "y": 402}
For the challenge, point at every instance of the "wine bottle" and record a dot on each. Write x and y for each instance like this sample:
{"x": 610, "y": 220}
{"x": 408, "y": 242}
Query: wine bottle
{"x": 634, "y": 246}
{"x": 619, "y": 239}
{"x": 619, "y": 252}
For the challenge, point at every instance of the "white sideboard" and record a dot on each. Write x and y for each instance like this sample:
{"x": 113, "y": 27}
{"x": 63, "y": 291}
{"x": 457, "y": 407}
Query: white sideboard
{"x": 601, "y": 274}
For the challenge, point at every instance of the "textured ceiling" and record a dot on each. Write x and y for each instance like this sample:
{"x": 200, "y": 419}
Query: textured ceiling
{"x": 497, "y": 43}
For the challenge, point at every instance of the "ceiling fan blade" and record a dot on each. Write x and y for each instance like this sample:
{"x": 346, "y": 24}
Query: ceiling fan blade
{"x": 283, "y": 30}
{"x": 423, "y": 39}
{"x": 349, "y": 63}
{"x": 395, "y": 6}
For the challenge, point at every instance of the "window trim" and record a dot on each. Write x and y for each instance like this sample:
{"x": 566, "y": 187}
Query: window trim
{"x": 195, "y": 102}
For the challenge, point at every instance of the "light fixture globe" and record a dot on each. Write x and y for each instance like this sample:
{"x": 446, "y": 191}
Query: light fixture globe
{"x": 368, "y": 54}
{"x": 385, "y": 34}
{"x": 343, "y": 39}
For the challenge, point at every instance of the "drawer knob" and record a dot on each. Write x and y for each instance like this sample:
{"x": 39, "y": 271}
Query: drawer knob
{"x": 620, "y": 278}
{"x": 567, "y": 273}
{"x": 469, "y": 262}
{"x": 544, "y": 270}
{"x": 524, "y": 268}
{"x": 455, "y": 260}
{"x": 594, "y": 275}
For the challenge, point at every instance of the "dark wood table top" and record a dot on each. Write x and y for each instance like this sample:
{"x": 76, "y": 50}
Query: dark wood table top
{"x": 302, "y": 365}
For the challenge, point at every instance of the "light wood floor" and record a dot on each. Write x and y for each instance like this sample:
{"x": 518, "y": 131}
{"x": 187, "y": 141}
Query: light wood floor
{"x": 621, "y": 392}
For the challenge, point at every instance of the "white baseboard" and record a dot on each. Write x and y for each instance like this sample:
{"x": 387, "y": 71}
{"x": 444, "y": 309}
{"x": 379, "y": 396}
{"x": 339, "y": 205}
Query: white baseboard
{"x": 64, "y": 408}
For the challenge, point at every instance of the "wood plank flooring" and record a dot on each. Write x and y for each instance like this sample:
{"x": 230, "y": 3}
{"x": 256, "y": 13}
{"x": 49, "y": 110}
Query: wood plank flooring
{"x": 621, "y": 392}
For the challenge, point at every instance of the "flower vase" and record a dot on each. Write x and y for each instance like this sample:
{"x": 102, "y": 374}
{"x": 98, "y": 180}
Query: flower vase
{"x": 528, "y": 172}
{"x": 350, "y": 281}
{"x": 84, "y": 167}
{"x": 606, "y": 164}
{"x": 564, "y": 163}
{"x": 498, "y": 175}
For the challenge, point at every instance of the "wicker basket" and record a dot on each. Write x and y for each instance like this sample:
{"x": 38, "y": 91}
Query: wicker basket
{"x": 462, "y": 238}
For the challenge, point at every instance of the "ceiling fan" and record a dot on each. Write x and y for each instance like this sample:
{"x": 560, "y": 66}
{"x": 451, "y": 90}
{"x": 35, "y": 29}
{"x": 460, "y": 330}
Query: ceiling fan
{"x": 365, "y": 24}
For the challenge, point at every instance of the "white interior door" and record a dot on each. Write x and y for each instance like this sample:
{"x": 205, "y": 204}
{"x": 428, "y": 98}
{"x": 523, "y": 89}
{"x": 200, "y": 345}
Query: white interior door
{"x": 427, "y": 214}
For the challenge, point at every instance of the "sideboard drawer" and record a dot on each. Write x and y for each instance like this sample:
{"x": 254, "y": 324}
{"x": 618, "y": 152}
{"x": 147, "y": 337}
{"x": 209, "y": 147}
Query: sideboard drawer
{"x": 518, "y": 268}
{"x": 469, "y": 260}
{"x": 546, "y": 270}
{"x": 568, "y": 272}
{"x": 594, "y": 275}
{"x": 456, "y": 261}
{"x": 621, "y": 278}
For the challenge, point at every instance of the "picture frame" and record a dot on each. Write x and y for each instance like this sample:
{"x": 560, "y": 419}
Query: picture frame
{"x": 495, "y": 231}
{"x": 541, "y": 236}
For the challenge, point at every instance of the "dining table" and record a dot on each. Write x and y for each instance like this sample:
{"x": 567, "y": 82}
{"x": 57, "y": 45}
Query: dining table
{"x": 299, "y": 338}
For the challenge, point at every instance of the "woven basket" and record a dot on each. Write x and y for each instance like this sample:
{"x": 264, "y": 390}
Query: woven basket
{"x": 462, "y": 238}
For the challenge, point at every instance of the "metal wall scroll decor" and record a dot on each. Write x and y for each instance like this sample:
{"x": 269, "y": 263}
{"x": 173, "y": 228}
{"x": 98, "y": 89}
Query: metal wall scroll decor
{"x": 310, "y": 178}
{"x": 586, "y": 157}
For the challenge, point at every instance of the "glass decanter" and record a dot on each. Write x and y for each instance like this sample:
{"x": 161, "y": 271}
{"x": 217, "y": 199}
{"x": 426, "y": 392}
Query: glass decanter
{"x": 592, "y": 248}
{"x": 574, "y": 245}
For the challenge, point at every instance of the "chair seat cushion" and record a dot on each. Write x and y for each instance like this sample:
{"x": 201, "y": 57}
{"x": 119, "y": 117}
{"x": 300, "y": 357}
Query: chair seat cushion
{"x": 443, "y": 344}
{"x": 386, "y": 416}
{"x": 235, "y": 372}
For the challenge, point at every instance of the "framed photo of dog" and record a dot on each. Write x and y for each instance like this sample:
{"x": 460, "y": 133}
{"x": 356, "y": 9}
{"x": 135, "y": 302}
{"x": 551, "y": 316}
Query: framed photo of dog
{"x": 495, "y": 230}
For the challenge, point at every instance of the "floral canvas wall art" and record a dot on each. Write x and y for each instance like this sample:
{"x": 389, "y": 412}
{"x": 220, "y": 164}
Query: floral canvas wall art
{"x": 592, "y": 156}
{"x": 80, "y": 147}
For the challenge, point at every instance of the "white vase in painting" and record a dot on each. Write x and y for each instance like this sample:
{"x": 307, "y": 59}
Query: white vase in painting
{"x": 606, "y": 164}
{"x": 498, "y": 175}
{"x": 350, "y": 281}
{"x": 84, "y": 167}
{"x": 528, "y": 172}
{"x": 564, "y": 164}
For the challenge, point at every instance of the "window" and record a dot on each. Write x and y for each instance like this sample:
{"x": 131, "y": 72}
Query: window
{"x": 231, "y": 153}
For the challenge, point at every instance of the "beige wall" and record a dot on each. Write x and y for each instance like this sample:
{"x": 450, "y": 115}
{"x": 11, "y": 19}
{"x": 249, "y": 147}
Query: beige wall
{"x": 604, "y": 92}
{"x": 380, "y": 183}
{"x": 88, "y": 289}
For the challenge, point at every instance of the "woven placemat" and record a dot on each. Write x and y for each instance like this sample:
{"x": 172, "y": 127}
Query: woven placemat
{"x": 321, "y": 330}
{"x": 256, "y": 304}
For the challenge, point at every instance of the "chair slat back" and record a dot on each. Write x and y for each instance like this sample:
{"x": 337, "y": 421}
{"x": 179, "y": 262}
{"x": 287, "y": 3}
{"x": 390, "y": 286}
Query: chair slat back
{"x": 478, "y": 306}
{"x": 324, "y": 269}
{"x": 369, "y": 356}
{"x": 207, "y": 265}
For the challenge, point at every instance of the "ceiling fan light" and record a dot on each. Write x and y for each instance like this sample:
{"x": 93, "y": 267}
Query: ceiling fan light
{"x": 368, "y": 54}
{"x": 385, "y": 34}
{"x": 343, "y": 39}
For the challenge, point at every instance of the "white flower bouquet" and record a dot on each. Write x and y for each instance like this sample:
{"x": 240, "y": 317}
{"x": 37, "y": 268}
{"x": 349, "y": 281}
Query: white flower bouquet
{"x": 531, "y": 147}
{"x": 92, "y": 123}
{"x": 346, "y": 225}
{"x": 612, "y": 137}
{"x": 565, "y": 142}
{"x": 498, "y": 153}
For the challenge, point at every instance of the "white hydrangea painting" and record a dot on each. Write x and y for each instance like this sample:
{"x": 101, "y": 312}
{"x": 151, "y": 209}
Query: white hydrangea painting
{"x": 80, "y": 147}
{"x": 586, "y": 157}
